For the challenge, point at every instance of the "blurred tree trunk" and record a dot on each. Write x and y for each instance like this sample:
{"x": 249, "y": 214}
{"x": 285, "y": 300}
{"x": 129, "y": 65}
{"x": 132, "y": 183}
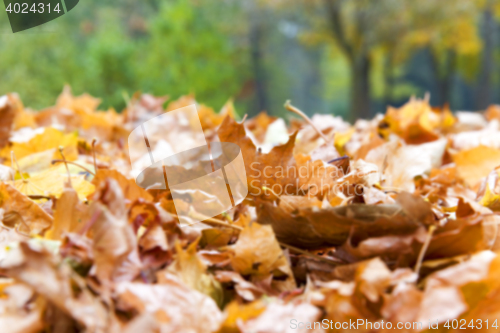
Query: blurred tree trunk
{"x": 313, "y": 82}
{"x": 443, "y": 74}
{"x": 484, "y": 82}
{"x": 360, "y": 87}
{"x": 256, "y": 54}
{"x": 359, "y": 60}
{"x": 388, "y": 78}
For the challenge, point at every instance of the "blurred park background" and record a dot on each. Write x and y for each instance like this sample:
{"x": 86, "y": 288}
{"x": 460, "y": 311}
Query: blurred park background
{"x": 347, "y": 57}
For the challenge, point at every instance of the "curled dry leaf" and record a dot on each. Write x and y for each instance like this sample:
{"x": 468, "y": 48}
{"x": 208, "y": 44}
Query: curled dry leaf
{"x": 21, "y": 213}
{"x": 316, "y": 228}
{"x": 258, "y": 254}
{"x": 114, "y": 243}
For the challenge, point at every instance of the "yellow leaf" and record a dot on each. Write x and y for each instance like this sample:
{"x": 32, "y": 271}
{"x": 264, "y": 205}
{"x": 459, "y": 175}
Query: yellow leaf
{"x": 490, "y": 199}
{"x": 51, "y": 182}
{"x": 240, "y": 312}
{"x": 341, "y": 139}
{"x": 51, "y": 138}
{"x": 474, "y": 164}
{"x": 193, "y": 272}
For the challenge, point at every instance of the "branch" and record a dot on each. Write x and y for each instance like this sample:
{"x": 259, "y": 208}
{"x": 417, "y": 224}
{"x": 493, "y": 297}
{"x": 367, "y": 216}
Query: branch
{"x": 333, "y": 9}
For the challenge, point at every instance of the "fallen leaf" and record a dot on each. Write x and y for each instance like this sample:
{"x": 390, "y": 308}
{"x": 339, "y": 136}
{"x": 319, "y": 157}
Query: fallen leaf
{"x": 22, "y": 213}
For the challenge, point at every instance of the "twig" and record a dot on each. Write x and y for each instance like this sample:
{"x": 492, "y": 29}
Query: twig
{"x": 61, "y": 148}
{"x": 421, "y": 255}
{"x": 244, "y": 118}
{"x": 293, "y": 109}
{"x": 38, "y": 197}
{"x": 307, "y": 253}
{"x": 73, "y": 163}
{"x": 93, "y": 153}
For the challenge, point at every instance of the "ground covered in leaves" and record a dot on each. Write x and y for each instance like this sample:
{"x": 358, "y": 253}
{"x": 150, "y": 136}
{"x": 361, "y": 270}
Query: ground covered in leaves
{"x": 390, "y": 220}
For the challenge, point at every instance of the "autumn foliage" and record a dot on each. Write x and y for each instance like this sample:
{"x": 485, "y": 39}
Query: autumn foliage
{"x": 392, "y": 219}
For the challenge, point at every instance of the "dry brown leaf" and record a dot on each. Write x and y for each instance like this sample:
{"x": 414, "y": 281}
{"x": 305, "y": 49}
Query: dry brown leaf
{"x": 174, "y": 306}
{"x": 257, "y": 253}
{"x": 69, "y": 214}
{"x": 56, "y": 283}
{"x": 22, "y": 213}
{"x": 130, "y": 189}
{"x": 7, "y": 114}
{"x": 278, "y": 162}
{"x": 114, "y": 243}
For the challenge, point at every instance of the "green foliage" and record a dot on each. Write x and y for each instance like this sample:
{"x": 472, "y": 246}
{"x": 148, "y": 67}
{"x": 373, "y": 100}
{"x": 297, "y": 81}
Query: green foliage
{"x": 186, "y": 53}
{"x": 259, "y": 52}
{"x": 174, "y": 48}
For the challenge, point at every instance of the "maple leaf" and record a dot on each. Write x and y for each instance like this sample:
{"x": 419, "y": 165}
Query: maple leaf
{"x": 278, "y": 160}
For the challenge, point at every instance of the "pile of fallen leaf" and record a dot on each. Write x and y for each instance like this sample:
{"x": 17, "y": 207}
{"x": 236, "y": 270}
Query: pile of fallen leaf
{"x": 394, "y": 219}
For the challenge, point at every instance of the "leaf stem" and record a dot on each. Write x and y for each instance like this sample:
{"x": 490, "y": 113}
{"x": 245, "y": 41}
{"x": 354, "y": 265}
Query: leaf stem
{"x": 61, "y": 148}
{"x": 307, "y": 253}
{"x": 93, "y": 153}
{"x": 424, "y": 248}
{"x": 293, "y": 109}
{"x": 38, "y": 197}
{"x": 73, "y": 163}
